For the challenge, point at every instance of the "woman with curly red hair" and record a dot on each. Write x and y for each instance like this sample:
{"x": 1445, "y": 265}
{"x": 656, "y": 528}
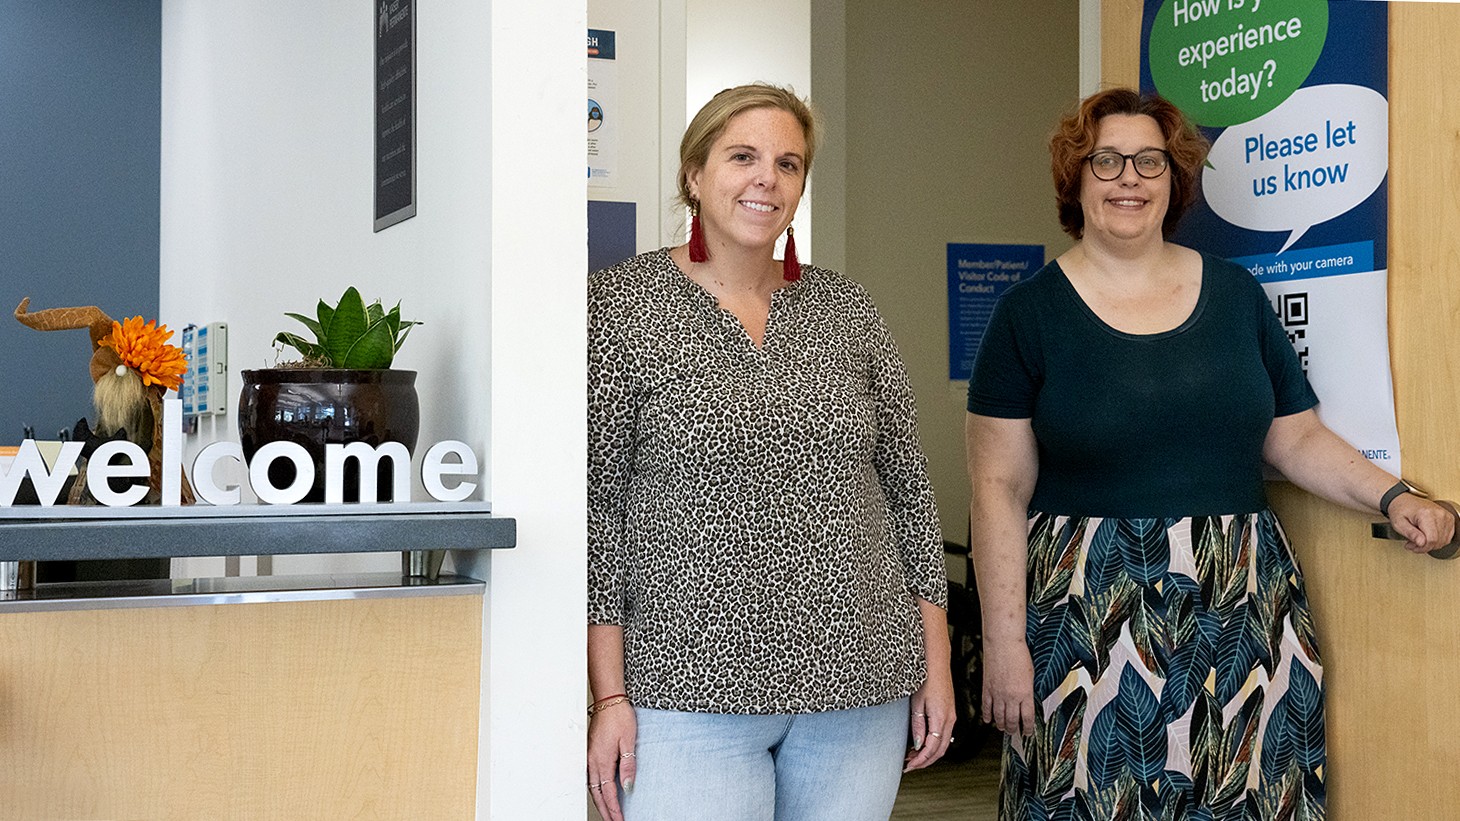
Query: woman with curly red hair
{"x": 1147, "y": 635}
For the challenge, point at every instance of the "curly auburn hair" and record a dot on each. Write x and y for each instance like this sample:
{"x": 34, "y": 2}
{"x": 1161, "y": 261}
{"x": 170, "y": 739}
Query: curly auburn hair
{"x": 1074, "y": 139}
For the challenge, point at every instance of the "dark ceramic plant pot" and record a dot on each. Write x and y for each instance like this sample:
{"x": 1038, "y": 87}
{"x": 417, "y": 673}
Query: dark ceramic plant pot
{"x": 314, "y": 407}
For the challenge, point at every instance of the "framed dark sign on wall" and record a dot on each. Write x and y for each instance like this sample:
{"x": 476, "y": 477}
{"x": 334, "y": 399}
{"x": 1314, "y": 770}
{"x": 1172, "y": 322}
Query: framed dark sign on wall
{"x": 395, "y": 112}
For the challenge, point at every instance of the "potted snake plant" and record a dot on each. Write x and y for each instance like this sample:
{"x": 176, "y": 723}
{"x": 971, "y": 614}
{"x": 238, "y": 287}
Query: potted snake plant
{"x": 342, "y": 390}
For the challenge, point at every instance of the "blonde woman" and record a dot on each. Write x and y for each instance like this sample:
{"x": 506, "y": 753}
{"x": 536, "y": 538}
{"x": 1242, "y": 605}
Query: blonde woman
{"x": 767, "y": 632}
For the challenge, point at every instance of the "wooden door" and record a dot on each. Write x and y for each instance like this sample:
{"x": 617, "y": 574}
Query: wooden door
{"x": 1389, "y": 622}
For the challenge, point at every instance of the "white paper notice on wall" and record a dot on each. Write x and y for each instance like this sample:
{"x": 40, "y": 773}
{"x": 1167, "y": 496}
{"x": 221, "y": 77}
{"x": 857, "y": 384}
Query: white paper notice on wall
{"x": 603, "y": 109}
{"x": 1335, "y": 312}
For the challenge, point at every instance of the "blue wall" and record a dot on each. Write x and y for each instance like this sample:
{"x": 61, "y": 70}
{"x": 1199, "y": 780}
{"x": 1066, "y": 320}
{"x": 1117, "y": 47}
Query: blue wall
{"x": 80, "y": 136}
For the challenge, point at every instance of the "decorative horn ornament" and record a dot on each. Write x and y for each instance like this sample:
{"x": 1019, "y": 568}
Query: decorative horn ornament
{"x": 90, "y": 317}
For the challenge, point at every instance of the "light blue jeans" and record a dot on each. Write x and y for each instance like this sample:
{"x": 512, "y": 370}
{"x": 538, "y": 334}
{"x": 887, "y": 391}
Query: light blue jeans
{"x": 843, "y": 765}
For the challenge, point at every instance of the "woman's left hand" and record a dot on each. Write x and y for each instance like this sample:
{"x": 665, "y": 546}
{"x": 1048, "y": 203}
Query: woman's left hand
{"x": 931, "y": 722}
{"x": 1425, "y": 525}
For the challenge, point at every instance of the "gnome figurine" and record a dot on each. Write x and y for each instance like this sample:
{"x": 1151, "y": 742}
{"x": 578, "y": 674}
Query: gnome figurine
{"x": 132, "y": 367}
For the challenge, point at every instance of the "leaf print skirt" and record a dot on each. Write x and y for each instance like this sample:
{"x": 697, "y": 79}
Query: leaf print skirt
{"x": 1176, "y": 674}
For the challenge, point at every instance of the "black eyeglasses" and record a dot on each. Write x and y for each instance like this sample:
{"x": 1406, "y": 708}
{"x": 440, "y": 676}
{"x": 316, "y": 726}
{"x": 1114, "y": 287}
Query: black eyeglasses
{"x": 1109, "y": 165}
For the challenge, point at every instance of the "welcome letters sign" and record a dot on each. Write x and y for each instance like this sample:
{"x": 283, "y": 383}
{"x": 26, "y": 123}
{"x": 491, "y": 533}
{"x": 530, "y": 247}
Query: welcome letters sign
{"x": 444, "y": 462}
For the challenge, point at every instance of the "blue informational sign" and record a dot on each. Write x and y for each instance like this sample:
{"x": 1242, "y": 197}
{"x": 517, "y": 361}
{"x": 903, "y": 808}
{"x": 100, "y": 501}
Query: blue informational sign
{"x": 978, "y": 275}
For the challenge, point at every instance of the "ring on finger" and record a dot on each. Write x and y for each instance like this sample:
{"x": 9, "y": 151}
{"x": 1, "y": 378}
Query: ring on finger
{"x": 629, "y": 754}
{"x": 919, "y": 715}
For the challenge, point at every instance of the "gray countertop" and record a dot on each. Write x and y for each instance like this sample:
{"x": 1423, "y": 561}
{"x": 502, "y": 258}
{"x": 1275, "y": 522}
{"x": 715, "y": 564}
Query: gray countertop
{"x": 72, "y": 533}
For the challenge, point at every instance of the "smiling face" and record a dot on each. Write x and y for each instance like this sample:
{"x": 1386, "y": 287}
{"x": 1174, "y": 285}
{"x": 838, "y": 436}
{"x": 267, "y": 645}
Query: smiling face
{"x": 752, "y": 180}
{"x": 1128, "y": 207}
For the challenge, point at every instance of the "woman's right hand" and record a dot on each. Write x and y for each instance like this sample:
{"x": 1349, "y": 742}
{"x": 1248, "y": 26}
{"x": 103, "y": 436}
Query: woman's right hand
{"x": 611, "y": 758}
{"x": 1008, "y": 686}
{"x": 1425, "y": 525}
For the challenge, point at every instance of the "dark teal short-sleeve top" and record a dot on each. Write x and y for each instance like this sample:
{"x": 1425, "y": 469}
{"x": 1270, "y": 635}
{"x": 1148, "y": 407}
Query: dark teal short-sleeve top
{"x": 1132, "y": 426}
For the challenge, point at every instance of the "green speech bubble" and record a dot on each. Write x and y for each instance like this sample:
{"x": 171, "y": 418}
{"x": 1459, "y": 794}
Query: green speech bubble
{"x": 1225, "y": 62}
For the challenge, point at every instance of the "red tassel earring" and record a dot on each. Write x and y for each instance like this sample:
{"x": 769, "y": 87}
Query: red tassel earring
{"x": 790, "y": 266}
{"x": 697, "y": 250}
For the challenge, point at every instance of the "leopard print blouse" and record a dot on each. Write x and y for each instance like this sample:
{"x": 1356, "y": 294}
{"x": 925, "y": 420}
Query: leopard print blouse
{"x": 760, "y": 520}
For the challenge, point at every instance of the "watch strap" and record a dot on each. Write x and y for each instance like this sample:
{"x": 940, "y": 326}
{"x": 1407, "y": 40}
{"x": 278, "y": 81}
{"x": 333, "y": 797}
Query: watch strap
{"x": 1400, "y": 487}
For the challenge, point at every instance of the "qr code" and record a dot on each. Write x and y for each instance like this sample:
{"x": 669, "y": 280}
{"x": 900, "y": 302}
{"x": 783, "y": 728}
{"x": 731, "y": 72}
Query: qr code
{"x": 1292, "y": 309}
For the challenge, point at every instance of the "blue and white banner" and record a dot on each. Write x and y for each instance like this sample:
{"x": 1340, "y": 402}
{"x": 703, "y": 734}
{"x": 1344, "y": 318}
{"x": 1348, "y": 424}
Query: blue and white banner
{"x": 1292, "y": 94}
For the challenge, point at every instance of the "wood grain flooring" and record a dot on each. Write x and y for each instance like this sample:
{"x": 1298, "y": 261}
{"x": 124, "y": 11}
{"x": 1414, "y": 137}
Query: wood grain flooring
{"x": 965, "y": 790}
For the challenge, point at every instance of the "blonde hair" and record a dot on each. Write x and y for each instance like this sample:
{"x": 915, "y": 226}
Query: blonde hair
{"x": 710, "y": 122}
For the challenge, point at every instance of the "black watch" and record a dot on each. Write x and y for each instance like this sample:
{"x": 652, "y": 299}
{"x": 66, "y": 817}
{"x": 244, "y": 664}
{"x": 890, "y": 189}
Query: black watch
{"x": 1394, "y": 492}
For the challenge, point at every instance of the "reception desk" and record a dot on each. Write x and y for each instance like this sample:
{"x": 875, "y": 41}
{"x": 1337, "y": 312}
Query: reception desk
{"x": 342, "y": 696}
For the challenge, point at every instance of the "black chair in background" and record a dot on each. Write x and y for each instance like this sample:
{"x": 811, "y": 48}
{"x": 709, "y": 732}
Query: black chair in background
{"x": 965, "y": 624}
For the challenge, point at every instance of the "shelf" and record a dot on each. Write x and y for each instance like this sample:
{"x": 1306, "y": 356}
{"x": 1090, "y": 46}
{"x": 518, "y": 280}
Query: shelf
{"x": 67, "y": 533}
{"x": 232, "y": 590}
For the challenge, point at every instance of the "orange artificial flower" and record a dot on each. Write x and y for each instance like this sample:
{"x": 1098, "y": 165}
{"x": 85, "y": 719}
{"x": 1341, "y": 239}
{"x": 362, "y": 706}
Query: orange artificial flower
{"x": 143, "y": 348}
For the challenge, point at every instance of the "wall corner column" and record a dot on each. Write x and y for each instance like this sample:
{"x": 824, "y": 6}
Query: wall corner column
{"x": 533, "y": 729}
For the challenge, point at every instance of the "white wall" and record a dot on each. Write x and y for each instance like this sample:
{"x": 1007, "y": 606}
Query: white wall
{"x": 267, "y": 183}
{"x": 536, "y": 631}
{"x": 266, "y": 207}
{"x": 730, "y": 44}
{"x": 748, "y": 41}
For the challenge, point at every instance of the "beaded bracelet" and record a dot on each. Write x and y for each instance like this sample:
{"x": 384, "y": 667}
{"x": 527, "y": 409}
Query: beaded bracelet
{"x": 604, "y": 703}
